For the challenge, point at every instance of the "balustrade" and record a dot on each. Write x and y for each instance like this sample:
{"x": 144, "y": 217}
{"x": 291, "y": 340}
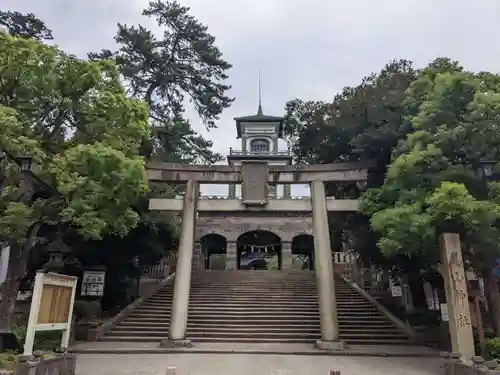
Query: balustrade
{"x": 259, "y": 153}
{"x": 225, "y": 197}
{"x": 160, "y": 269}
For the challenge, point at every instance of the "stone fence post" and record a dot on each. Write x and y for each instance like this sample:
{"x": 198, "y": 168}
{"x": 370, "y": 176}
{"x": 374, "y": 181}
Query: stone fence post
{"x": 61, "y": 364}
{"x": 454, "y": 365}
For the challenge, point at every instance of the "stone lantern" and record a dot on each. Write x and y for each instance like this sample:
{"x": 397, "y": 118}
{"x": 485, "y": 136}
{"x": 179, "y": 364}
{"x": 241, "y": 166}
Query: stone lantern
{"x": 57, "y": 251}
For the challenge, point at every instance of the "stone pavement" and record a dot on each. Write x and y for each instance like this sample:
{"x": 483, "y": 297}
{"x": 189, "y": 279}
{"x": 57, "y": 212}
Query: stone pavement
{"x": 251, "y": 364}
{"x": 246, "y": 348}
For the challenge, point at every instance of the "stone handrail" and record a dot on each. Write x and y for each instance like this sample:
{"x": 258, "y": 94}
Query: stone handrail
{"x": 382, "y": 309}
{"x": 98, "y": 332}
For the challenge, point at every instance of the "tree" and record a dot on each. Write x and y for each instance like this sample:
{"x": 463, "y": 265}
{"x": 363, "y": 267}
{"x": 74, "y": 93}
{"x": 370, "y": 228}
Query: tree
{"x": 433, "y": 185}
{"x": 73, "y": 117}
{"x": 25, "y": 25}
{"x": 183, "y": 64}
{"x": 363, "y": 122}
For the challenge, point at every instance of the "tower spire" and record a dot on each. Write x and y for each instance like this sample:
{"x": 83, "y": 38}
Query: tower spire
{"x": 259, "y": 110}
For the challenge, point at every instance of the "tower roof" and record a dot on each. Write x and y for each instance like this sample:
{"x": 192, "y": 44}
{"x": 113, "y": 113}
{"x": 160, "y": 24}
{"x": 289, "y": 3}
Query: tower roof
{"x": 259, "y": 117}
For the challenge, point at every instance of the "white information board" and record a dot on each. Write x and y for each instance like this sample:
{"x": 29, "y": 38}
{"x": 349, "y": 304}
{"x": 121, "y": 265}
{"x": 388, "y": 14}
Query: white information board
{"x": 396, "y": 291}
{"x": 51, "y": 307}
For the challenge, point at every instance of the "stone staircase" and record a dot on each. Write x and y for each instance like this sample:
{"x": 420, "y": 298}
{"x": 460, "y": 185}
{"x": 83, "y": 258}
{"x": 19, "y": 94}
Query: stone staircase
{"x": 257, "y": 307}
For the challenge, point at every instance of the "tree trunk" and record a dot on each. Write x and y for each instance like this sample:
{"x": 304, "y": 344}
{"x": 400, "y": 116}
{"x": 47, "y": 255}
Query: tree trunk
{"x": 493, "y": 298}
{"x": 18, "y": 262}
{"x": 10, "y": 288}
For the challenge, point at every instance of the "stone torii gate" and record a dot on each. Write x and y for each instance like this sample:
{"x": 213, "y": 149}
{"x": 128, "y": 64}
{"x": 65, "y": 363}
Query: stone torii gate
{"x": 255, "y": 176}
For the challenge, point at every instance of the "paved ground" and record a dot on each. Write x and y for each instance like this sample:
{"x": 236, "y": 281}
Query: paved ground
{"x": 251, "y": 364}
{"x": 243, "y": 348}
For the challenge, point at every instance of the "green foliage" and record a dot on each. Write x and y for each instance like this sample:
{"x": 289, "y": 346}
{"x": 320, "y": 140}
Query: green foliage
{"x": 432, "y": 184}
{"x": 362, "y": 122}
{"x": 44, "y": 340}
{"x": 25, "y": 25}
{"x": 164, "y": 71}
{"x": 428, "y": 132}
{"x": 492, "y": 347}
{"x": 8, "y": 361}
{"x": 87, "y": 310}
{"x": 84, "y": 134}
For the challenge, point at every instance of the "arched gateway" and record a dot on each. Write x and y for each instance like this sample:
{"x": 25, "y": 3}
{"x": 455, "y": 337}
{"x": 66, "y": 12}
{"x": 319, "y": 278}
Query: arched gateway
{"x": 258, "y": 249}
{"x": 214, "y": 248}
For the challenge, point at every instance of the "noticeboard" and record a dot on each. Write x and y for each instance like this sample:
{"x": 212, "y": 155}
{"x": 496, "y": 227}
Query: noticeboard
{"x": 51, "y": 307}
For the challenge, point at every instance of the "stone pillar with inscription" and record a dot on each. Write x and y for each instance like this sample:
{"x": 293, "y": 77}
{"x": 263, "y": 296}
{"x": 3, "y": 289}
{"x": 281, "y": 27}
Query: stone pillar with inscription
{"x": 324, "y": 271}
{"x": 286, "y": 255}
{"x": 180, "y": 302}
{"x": 455, "y": 282}
{"x": 231, "y": 256}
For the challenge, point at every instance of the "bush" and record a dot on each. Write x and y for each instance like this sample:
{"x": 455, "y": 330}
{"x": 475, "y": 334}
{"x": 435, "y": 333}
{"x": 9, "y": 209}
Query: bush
{"x": 492, "y": 347}
{"x": 49, "y": 340}
{"x": 8, "y": 361}
{"x": 87, "y": 310}
{"x": 422, "y": 317}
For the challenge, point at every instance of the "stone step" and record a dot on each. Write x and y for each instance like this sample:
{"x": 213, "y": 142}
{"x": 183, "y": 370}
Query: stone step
{"x": 259, "y": 332}
{"x": 237, "y": 298}
{"x": 259, "y": 285}
{"x": 263, "y": 312}
{"x": 196, "y": 317}
{"x": 205, "y": 339}
{"x": 154, "y": 319}
{"x": 253, "y": 340}
{"x": 257, "y": 340}
{"x": 218, "y": 330}
{"x": 248, "y": 327}
{"x": 261, "y": 295}
{"x": 250, "y": 304}
{"x": 208, "y": 287}
{"x": 258, "y": 307}
{"x": 208, "y": 290}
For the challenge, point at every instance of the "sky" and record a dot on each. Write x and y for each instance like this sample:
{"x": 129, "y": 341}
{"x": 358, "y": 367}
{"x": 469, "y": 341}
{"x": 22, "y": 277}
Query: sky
{"x": 304, "y": 49}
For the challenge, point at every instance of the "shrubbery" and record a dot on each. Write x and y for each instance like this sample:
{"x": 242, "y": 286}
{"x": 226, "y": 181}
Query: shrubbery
{"x": 50, "y": 340}
{"x": 492, "y": 347}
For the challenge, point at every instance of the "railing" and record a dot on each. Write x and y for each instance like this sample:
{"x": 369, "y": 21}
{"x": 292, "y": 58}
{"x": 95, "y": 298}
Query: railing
{"x": 225, "y": 197}
{"x": 340, "y": 257}
{"x": 161, "y": 269}
{"x": 259, "y": 153}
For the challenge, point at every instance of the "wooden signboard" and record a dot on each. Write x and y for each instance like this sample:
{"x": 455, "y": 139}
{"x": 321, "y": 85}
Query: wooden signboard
{"x": 51, "y": 307}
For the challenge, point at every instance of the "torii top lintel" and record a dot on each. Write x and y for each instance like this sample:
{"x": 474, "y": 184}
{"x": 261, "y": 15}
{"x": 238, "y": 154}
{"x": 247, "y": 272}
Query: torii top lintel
{"x": 295, "y": 174}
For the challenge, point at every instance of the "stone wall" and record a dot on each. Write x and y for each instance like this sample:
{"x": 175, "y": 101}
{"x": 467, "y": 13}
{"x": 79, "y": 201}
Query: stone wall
{"x": 286, "y": 227}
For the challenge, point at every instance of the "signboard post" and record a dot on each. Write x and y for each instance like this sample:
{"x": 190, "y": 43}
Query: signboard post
{"x": 51, "y": 307}
{"x": 93, "y": 283}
